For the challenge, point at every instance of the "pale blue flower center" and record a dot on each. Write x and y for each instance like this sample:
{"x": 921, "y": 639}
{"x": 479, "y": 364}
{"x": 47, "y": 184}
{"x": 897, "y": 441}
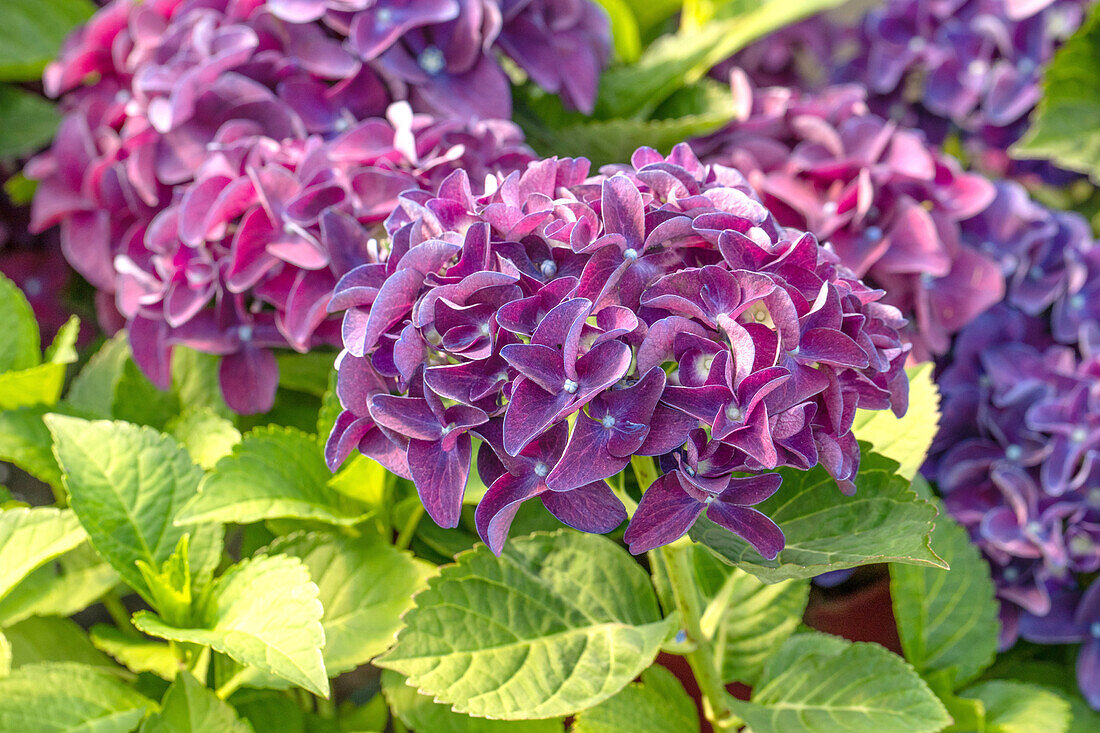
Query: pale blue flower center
{"x": 549, "y": 268}
{"x": 541, "y": 469}
{"x": 245, "y": 332}
{"x": 1014, "y": 452}
{"x": 1094, "y": 630}
{"x": 1079, "y": 435}
{"x": 431, "y": 60}
{"x": 874, "y": 233}
{"x": 608, "y": 421}
{"x": 33, "y": 287}
{"x": 630, "y": 253}
{"x": 1011, "y": 575}
{"x": 570, "y": 386}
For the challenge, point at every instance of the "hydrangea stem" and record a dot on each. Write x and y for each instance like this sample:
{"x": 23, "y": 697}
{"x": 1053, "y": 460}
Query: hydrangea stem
{"x": 680, "y": 570}
{"x": 681, "y": 576}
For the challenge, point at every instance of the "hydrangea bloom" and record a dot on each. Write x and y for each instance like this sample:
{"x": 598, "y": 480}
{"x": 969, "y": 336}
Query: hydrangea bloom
{"x": 245, "y": 258}
{"x": 570, "y": 323}
{"x": 890, "y": 206}
{"x": 1016, "y": 455}
{"x": 442, "y": 52}
{"x": 967, "y": 67}
{"x": 169, "y": 103}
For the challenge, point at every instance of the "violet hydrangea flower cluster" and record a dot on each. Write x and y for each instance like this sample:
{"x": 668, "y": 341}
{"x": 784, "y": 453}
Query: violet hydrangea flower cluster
{"x": 173, "y": 105}
{"x": 972, "y": 67}
{"x": 890, "y": 206}
{"x": 570, "y": 323}
{"x": 1017, "y": 457}
{"x": 442, "y": 53}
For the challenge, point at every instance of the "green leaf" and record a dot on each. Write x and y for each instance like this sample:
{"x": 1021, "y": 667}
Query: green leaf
{"x": 188, "y": 707}
{"x": 684, "y": 57}
{"x": 307, "y": 373}
{"x": 25, "y": 442}
{"x": 93, "y": 389}
{"x": 1019, "y": 707}
{"x": 169, "y": 584}
{"x": 39, "y": 385}
{"x": 365, "y": 586}
{"x": 947, "y": 619}
{"x": 5, "y": 655}
{"x": 364, "y": 480}
{"x": 330, "y": 409}
{"x": 50, "y": 639}
{"x": 68, "y": 698}
{"x": 613, "y": 140}
{"x": 62, "y": 350}
{"x": 826, "y": 686}
{"x": 206, "y": 435}
{"x": 558, "y": 623}
{"x": 19, "y": 343}
{"x": 906, "y": 439}
{"x": 745, "y": 618}
{"x": 826, "y": 530}
{"x": 270, "y": 712}
{"x": 137, "y": 654}
{"x": 195, "y": 381}
{"x": 139, "y": 401}
{"x": 420, "y": 713}
{"x": 263, "y": 612}
{"x": 63, "y": 587}
{"x": 658, "y": 704}
{"x": 274, "y": 472}
{"x": 31, "y": 32}
{"x": 624, "y": 30}
{"x": 126, "y": 484}
{"x": 30, "y": 538}
{"x": 1065, "y": 126}
{"x": 27, "y": 121}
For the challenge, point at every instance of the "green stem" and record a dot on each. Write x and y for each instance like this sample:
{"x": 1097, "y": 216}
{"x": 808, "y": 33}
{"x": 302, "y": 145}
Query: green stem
{"x": 681, "y": 575}
{"x": 326, "y": 708}
{"x": 233, "y": 684}
{"x": 118, "y": 613}
{"x": 406, "y": 534}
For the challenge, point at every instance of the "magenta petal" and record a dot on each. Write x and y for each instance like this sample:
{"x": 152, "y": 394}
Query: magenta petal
{"x": 440, "y": 477}
{"x": 831, "y": 346}
{"x": 665, "y": 514}
{"x": 540, "y": 364}
{"x": 530, "y": 411}
{"x": 409, "y": 416}
{"x": 589, "y": 508}
{"x": 750, "y": 490}
{"x": 750, "y": 525}
{"x": 394, "y": 301}
{"x": 344, "y": 438}
{"x": 621, "y": 205}
{"x": 496, "y": 510}
{"x": 1088, "y": 671}
{"x": 249, "y": 379}
{"x": 586, "y": 458}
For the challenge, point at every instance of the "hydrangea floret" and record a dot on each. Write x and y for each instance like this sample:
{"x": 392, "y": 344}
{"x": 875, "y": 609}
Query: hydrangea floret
{"x": 570, "y": 322}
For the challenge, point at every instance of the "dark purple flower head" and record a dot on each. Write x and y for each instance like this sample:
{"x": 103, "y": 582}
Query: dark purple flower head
{"x": 890, "y": 206}
{"x": 595, "y": 319}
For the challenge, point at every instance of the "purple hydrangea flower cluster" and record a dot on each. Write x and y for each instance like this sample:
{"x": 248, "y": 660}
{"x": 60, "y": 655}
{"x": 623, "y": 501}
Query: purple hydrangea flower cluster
{"x": 570, "y": 323}
{"x": 176, "y": 105}
{"x": 966, "y": 67}
{"x": 442, "y": 53}
{"x": 245, "y": 258}
{"x": 890, "y": 206}
{"x": 1017, "y": 454}
{"x": 971, "y": 66}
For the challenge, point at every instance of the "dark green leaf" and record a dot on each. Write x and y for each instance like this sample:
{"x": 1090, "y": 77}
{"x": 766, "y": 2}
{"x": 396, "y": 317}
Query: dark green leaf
{"x": 658, "y": 704}
{"x": 188, "y": 707}
{"x": 31, "y": 32}
{"x": 27, "y": 121}
{"x": 68, "y": 698}
{"x": 1065, "y": 125}
{"x": 947, "y": 619}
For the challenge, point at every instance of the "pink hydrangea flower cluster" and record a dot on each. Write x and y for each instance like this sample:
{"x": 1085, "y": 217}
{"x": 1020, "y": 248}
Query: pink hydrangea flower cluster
{"x": 657, "y": 309}
{"x": 169, "y": 104}
{"x": 890, "y": 206}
